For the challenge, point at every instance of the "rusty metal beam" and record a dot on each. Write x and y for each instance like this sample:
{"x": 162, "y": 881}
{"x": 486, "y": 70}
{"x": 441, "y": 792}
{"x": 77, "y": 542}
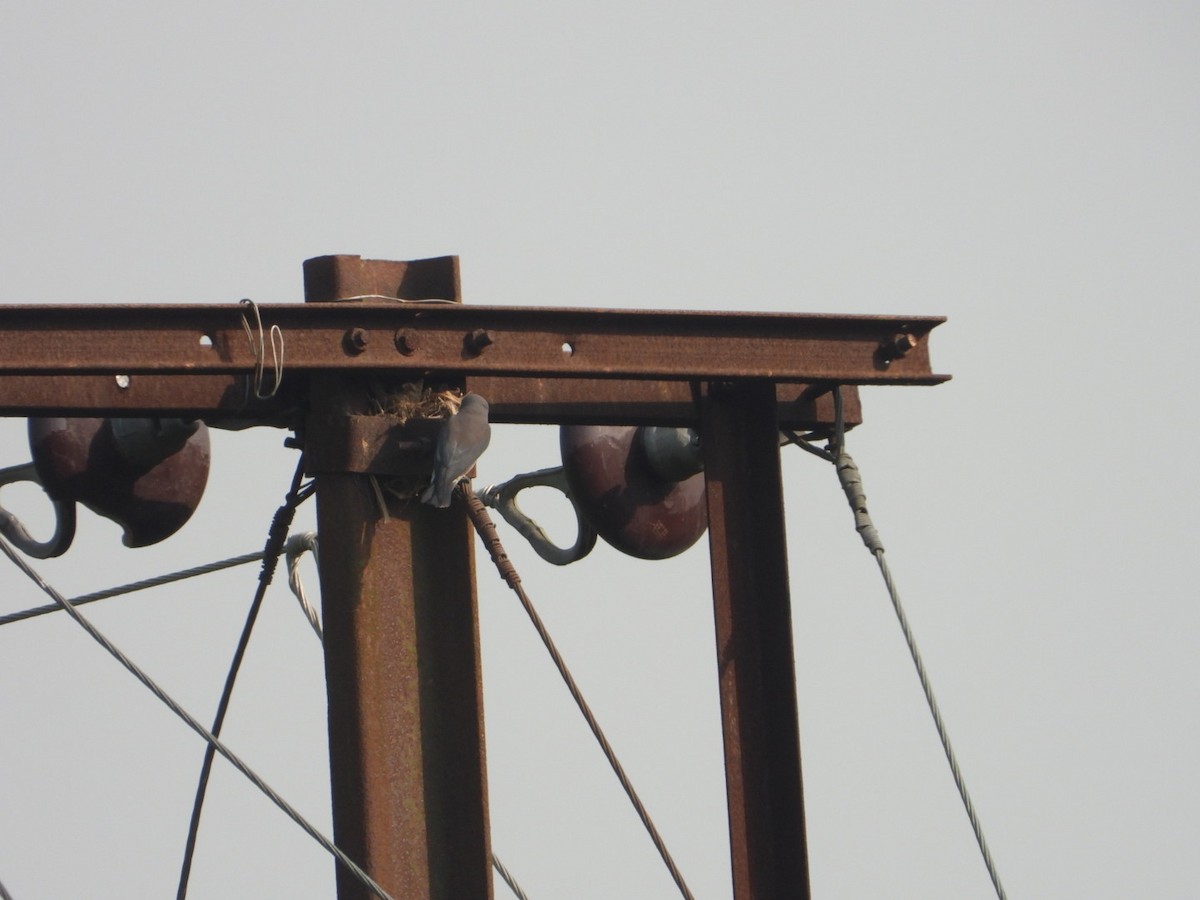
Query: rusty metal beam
{"x": 224, "y": 399}
{"x": 571, "y": 401}
{"x": 756, "y": 666}
{"x": 406, "y": 739}
{"x": 415, "y": 338}
{"x": 406, "y": 755}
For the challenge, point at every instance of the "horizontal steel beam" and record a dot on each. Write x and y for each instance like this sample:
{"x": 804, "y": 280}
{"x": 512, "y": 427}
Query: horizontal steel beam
{"x": 388, "y": 445}
{"x": 417, "y": 337}
{"x": 225, "y": 399}
{"x": 572, "y": 401}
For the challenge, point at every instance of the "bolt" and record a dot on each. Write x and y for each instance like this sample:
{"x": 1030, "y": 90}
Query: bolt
{"x": 355, "y": 340}
{"x": 407, "y": 342}
{"x": 478, "y": 341}
{"x": 898, "y": 346}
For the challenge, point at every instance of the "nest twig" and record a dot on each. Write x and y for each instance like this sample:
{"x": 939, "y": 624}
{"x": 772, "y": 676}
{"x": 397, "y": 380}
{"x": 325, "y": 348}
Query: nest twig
{"x": 413, "y": 400}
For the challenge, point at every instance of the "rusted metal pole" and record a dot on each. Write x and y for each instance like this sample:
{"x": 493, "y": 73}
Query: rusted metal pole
{"x": 406, "y": 741}
{"x": 757, "y": 675}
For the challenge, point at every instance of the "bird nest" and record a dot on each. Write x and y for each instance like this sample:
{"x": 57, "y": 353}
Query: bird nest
{"x": 413, "y": 400}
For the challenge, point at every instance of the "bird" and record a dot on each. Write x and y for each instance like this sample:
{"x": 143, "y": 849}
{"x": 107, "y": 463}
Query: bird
{"x": 461, "y": 441}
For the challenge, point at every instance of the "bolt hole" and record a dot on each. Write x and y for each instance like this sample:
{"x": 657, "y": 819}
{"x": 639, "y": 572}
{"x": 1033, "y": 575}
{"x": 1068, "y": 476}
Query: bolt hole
{"x": 568, "y": 348}
{"x": 123, "y": 382}
{"x": 206, "y": 340}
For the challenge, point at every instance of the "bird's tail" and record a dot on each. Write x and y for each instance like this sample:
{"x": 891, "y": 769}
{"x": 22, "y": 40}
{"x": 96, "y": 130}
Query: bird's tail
{"x": 438, "y": 494}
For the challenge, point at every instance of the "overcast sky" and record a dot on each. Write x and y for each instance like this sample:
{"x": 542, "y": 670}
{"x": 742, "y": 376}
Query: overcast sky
{"x": 1027, "y": 169}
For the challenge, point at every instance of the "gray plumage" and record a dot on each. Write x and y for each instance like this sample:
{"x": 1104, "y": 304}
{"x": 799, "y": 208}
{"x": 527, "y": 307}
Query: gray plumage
{"x": 460, "y": 443}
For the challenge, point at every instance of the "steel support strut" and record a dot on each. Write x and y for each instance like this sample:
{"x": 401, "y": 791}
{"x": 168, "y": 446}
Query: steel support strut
{"x": 756, "y": 666}
{"x": 406, "y": 746}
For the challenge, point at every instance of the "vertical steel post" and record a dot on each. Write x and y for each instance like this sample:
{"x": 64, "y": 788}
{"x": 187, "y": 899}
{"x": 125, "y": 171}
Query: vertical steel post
{"x": 406, "y": 746}
{"x": 757, "y": 675}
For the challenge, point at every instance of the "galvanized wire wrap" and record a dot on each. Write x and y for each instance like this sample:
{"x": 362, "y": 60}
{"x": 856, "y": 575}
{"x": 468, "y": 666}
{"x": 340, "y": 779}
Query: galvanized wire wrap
{"x": 486, "y": 529}
{"x": 851, "y": 481}
{"x": 487, "y": 532}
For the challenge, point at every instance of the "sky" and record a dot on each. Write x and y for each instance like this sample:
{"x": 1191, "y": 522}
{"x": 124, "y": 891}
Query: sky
{"x": 1026, "y": 169}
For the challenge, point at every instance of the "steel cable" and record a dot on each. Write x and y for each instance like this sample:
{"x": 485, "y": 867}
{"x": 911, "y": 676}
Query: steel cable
{"x": 507, "y": 877}
{"x": 192, "y": 722}
{"x": 276, "y": 537}
{"x": 943, "y": 735}
{"x": 295, "y": 545}
{"x": 487, "y": 533}
{"x": 851, "y": 481}
{"x": 157, "y": 581}
{"x": 292, "y": 547}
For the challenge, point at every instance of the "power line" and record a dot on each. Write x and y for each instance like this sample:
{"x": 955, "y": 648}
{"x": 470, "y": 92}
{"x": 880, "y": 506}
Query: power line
{"x": 192, "y": 722}
{"x": 851, "y": 482}
{"x": 276, "y": 537}
{"x": 943, "y": 735}
{"x": 506, "y": 876}
{"x": 487, "y": 532}
{"x": 206, "y": 569}
{"x": 293, "y": 547}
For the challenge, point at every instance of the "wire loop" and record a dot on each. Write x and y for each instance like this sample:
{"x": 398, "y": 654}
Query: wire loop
{"x": 258, "y": 346}
{"x": 297, "y": 545}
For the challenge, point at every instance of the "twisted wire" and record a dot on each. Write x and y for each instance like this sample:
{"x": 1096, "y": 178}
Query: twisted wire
{"x": 297, "y": 546}
{"x": 487, "y": 533}
{"x": 505, "y": 875}
{"x": 943, "y": 735}
{"x": 851, "y": 481}
{"x": 276, "y": 537}
{"x": 157, "y": 581}
{"x": 259, "y": 348}
{"x": 152, "y": 686}
{"x": 293, "y": 548}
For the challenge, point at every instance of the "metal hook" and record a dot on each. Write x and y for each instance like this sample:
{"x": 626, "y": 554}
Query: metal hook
{"x": 503, "y": 499}
{"x": 64, "y": 519}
